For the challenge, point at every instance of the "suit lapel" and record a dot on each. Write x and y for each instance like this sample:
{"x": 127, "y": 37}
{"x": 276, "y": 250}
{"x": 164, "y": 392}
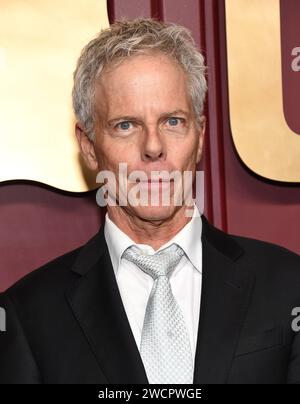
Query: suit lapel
{"x": 98, "y": 307}
{"x": 226, "y": 289}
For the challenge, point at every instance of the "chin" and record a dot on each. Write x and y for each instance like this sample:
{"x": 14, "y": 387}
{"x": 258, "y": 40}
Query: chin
{"x": 154, "y": 213}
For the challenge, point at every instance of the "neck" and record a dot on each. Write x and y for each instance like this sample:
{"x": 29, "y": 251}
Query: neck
{"x": 147, "y": 231}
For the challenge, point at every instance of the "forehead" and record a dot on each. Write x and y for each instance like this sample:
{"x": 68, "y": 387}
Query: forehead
{"x": 141, "y": 82}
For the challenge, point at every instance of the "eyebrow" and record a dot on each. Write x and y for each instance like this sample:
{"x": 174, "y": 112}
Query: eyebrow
{"x": 176, "y": 112}
{"x": 133, "y": 118}
{"x": 122, "y": 118}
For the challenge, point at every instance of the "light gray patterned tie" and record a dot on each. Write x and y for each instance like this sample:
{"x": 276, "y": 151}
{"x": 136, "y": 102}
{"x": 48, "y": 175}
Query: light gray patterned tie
{"x": 165, "y": 346}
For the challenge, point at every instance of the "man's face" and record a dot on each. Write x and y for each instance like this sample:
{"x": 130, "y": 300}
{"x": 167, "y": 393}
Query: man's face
{"x": 144, "y": 117}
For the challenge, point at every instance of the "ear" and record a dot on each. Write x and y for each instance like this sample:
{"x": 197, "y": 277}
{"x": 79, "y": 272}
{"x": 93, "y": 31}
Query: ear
{"x": 201, "y": 137}
{"x": 87, "y": 147}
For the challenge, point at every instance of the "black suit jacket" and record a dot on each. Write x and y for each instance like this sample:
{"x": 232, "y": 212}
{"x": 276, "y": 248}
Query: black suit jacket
{"x": 66, "y": 322}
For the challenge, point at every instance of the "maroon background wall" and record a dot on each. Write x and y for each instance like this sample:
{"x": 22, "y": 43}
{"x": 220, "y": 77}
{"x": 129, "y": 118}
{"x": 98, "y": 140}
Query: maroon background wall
{"x": 38, "y": 223}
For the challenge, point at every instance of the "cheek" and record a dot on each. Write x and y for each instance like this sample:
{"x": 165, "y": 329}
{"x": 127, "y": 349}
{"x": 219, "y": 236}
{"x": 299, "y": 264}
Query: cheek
{"x": 183, "y": 154}
{"x": 111, "y": 154}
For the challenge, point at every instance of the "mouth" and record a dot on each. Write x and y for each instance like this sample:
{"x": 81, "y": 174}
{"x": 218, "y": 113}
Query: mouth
{"x": 159, "y": 185}
{"x": 158, "y": 181}
{"x": 151, "y": 181}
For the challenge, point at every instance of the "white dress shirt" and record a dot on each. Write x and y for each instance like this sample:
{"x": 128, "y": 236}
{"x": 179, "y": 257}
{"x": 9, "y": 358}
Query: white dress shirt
{"x": 135, "y": 285}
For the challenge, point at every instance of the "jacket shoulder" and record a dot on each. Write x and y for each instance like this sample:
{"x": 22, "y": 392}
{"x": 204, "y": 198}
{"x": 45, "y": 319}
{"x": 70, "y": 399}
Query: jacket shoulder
{"x": 264, "y": 249}
{"x": 272, "y": 264}
{"x": 261, "y": 255}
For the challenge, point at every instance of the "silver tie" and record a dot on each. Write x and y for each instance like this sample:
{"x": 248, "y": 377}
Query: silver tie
{"x": 165, "y": 346}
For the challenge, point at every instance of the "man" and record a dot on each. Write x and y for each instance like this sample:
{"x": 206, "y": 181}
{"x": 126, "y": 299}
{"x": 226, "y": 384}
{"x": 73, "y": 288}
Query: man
{"x": 156, "y": 296}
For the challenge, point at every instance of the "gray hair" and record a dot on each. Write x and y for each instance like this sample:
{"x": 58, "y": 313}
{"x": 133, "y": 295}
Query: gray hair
{"x": 129, "y": 38}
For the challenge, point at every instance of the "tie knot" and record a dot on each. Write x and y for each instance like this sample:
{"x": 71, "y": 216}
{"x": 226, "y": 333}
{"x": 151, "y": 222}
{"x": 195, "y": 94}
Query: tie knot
{"x": 161, "y": 263}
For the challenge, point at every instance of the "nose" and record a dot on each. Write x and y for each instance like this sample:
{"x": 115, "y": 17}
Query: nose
{"x": 153, "y": 147}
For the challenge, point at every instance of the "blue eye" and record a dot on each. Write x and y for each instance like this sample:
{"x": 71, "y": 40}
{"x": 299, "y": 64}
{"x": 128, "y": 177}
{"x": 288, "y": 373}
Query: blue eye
{"x": 173, "y": 121}
{"x": 124, "y": 125}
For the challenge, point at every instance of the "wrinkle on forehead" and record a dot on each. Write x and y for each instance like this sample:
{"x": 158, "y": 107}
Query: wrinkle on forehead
{"x": 142, "y": 85}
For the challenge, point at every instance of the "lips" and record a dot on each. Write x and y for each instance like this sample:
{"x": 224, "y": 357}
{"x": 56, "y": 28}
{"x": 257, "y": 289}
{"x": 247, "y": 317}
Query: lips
{"x": 150, "y": 181}
{"x": 156, "y": 184}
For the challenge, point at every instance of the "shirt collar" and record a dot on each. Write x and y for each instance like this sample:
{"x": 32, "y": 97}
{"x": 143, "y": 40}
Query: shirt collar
{"x": 188, "y": 238}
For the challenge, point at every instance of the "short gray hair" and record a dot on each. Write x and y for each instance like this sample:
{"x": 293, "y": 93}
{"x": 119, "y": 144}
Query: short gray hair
{"x": 129, "y": 38}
